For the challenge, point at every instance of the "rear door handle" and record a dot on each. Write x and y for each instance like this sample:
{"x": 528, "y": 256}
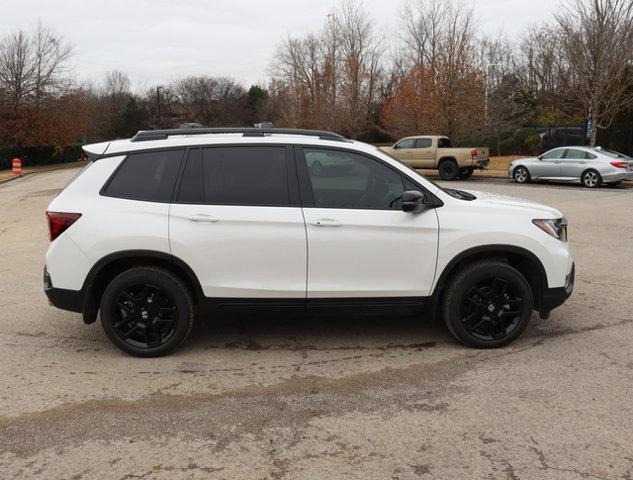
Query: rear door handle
{"x": 326, "y": 222}
{"x": 202, "y": 218}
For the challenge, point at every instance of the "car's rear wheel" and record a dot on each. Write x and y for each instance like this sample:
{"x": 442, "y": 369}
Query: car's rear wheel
{"x": 487, "y": 304}
{"x": 466, "y": 172}
{"x": 449, "y": 170}
{"x": 591, "y": 179}
{"x": 147, "y": 311}
{"x": 521, "y": 175}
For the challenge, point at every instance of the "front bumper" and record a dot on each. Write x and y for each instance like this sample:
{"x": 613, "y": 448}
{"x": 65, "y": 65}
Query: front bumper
{"x": 555, "y": 297}
{"x": 71, "y": 300}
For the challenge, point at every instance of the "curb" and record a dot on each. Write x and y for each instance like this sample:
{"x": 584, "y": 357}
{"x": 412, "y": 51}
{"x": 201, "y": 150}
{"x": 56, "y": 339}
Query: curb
{"x": 44, "y": 170}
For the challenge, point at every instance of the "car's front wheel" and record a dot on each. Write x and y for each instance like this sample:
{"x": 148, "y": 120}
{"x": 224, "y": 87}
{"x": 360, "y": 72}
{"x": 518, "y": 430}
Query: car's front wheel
{"x": 521, "y": 175}
{"x": 147, "y": 311}
{"x": 487, "y": 304}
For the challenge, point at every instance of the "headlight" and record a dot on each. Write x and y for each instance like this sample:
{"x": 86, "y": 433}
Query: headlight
{"x": 557, "y": 228}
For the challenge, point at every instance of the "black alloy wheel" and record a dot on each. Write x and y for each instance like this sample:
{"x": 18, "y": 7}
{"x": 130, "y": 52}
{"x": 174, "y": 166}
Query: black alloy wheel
{"x": 148, "y": 316}
{"x": 492, "y": 309}
{"x": 449, "y": 170}
{"x": 487, "y": 304}
{"x": 147, "y": 311}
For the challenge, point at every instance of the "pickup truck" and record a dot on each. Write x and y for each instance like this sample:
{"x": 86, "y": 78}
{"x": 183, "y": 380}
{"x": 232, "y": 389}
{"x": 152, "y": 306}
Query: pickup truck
{"x": 435, "y": 152}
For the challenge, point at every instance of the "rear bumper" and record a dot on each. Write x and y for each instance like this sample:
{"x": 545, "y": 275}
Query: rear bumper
{"x": 71, "y": 300}
{"x": 617, "y": 176}
{"x": 555, "y": 297}
{"x": 483, "y": 164}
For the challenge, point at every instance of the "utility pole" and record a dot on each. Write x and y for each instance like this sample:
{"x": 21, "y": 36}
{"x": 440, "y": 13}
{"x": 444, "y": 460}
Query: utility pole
{"x": 486, "y": 92}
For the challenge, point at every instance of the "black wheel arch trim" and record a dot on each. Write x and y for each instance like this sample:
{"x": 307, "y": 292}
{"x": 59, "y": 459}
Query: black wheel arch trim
{"x": 91, "y": 286}
{"x": 498, "y": 250}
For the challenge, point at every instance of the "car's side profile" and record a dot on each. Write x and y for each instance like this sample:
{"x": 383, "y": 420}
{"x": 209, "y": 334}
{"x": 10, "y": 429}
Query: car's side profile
{"x": 174, "y": 225}
{"x": 586, "y": 165}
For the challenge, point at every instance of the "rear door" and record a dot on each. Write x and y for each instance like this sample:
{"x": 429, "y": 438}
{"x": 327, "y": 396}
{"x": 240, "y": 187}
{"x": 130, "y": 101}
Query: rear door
{"x": 236, "y": 221}
{"x": 574, "y": 162}
{"x": 424, "y": 153}
{"x": 360, "y": 242}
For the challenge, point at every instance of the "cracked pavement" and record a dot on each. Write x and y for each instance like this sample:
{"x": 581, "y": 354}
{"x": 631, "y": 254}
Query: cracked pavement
{"x": 288, "y": 397}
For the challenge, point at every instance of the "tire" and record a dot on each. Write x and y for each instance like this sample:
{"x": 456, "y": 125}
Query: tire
{"x": 139, "y": 293}
{"x": 590, "y": 179}
{"x": 466, "y": 172}
{"x": 449, "y": 170}
{"x": 521, "y": 175}
{"x": 472, "y": 305}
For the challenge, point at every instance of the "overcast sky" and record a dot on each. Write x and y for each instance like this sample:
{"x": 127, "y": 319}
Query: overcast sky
{"x": 156, "y": 41}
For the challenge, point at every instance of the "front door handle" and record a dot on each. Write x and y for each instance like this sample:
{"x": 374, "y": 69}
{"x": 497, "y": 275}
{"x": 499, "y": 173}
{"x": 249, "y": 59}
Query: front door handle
{"x": 326, "y": 222}
{"x": 202, "y": 218}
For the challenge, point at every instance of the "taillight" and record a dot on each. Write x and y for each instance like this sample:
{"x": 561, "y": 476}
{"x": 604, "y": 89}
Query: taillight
{"x": 473, "y": 153}
{"x": 617, "y": 164}
{"x": 59, "y": 222}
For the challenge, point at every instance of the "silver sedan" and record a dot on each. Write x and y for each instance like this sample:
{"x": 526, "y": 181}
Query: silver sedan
{"x": 590, "y": 166}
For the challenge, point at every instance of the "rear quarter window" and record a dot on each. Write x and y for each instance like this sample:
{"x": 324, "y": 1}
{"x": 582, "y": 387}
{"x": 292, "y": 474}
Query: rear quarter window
{"x": 148, "y": 176}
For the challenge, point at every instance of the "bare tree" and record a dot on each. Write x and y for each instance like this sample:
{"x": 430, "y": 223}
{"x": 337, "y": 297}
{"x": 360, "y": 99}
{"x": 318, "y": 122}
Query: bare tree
{"x": 595, "y": 40}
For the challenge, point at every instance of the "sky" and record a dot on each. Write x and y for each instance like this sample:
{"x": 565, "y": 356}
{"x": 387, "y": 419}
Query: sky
{"x": 158, "y": 41}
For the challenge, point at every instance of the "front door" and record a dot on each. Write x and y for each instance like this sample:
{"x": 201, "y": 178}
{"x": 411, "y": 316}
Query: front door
{"x": 548, "y": 165}
{"x": 360, "y": 242}
{"x": 236, "y": 221}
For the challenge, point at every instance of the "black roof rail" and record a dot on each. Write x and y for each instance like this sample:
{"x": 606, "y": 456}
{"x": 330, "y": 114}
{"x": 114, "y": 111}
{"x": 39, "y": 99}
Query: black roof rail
{"x": 146, "y": 135}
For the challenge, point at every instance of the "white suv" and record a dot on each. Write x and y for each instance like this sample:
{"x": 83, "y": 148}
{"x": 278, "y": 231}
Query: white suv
{"x": 175, "y": 224}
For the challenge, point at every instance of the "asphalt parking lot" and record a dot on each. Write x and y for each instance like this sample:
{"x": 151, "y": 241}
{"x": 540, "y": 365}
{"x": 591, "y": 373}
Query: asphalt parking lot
{"x": 286, "y": 398}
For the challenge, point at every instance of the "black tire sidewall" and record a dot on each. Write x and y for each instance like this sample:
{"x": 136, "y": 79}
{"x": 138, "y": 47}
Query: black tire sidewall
{"x": 447, "y": 174}
{"x": 170, "y": 285}
{"x": 470, "y": 277}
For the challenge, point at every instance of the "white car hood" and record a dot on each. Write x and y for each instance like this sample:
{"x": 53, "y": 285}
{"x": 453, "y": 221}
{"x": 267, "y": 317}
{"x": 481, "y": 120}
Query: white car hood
{"x": 495, "y": 200}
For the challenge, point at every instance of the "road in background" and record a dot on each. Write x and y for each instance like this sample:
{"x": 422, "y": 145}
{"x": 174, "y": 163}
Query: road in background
{"x": 288, "y": 397}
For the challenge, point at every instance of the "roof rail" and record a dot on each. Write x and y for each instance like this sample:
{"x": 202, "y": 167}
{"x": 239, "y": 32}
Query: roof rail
{"x": 146, "y": 135}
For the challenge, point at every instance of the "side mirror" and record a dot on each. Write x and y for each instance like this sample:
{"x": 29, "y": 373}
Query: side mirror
{"x": 412, "y": 201}
{"x": 395, "y": 146}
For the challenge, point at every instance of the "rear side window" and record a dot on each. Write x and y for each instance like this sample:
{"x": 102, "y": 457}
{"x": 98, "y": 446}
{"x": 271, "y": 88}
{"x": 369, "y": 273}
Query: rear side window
{"x": 148, "y": 176}
{"x": 250, "y": 175}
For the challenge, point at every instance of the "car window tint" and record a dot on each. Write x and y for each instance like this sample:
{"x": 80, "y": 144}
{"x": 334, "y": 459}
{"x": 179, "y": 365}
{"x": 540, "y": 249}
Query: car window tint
{"x": 408, "y": 143}
{"x": 149, "y": 176}
{"x": 423, "y": 143}
{"x": 245, "y": 176}
{"x": 191, "y": 183}
{"x": 575, "y": 154}
{"x": 443, "y": 143}
{"x": 342, "y": 179}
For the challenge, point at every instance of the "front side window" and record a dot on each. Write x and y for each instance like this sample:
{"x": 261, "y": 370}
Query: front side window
{"x": 554, "y": 154}
{"x": 342, "y": 179}
{"x": 406, "y": 143}
{"x": 148, "y": 176}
